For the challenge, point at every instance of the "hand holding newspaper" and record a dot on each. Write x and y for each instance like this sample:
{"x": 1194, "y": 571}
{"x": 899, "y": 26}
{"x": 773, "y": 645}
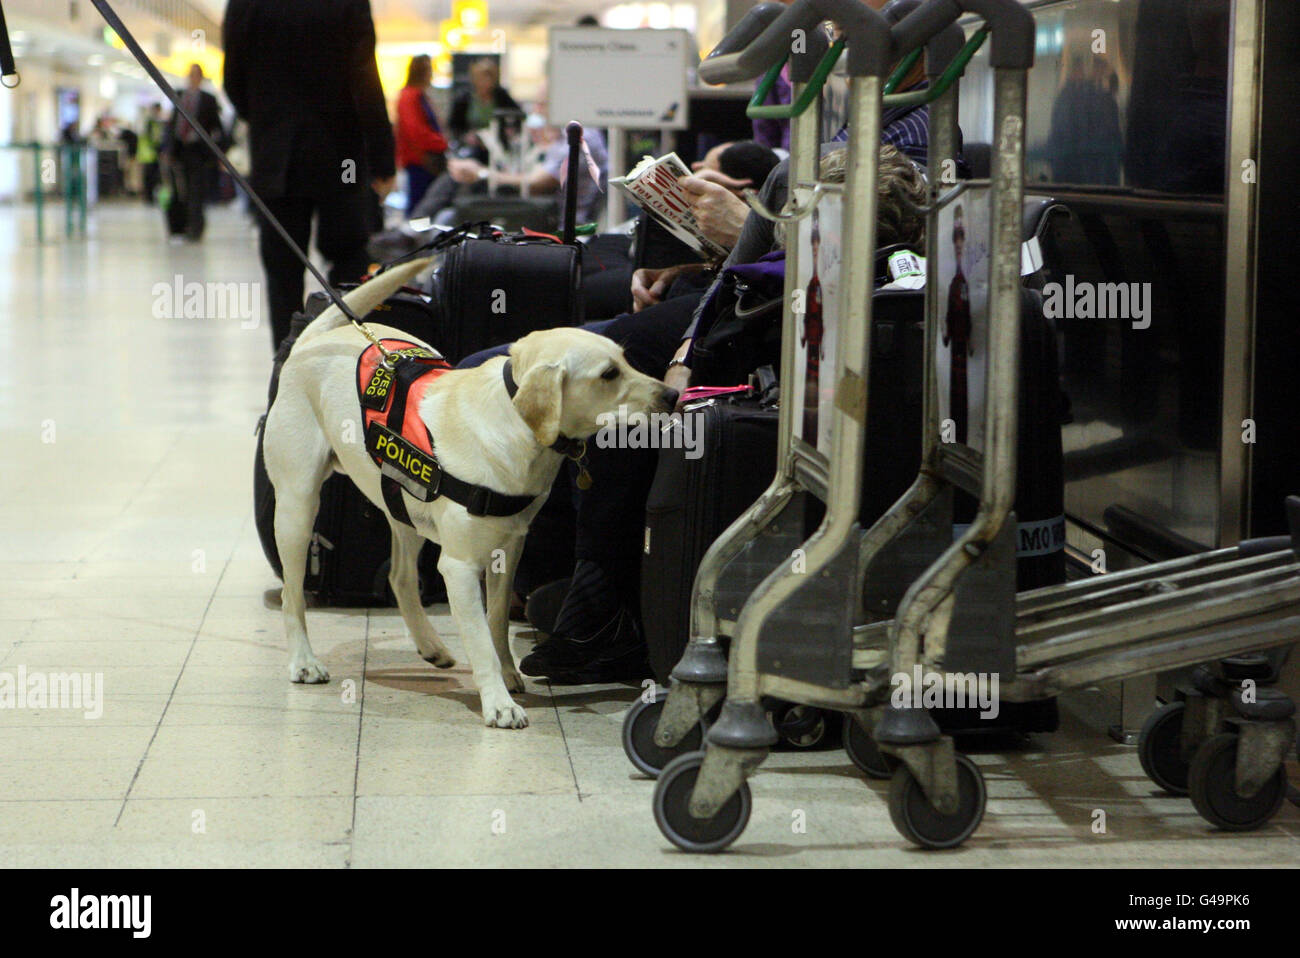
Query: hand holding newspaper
{"x": 653, "y": 186}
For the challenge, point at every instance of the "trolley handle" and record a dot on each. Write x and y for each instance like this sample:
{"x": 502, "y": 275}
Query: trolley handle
{"x": 751, "y": 25}
{"x": 1010, "y": 23}
{"x": 866, "y": 33}
{"x": 939, "y": 52}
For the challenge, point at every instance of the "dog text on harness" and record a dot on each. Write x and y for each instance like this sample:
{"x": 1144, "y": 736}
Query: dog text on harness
{"x": 417, "y": 472}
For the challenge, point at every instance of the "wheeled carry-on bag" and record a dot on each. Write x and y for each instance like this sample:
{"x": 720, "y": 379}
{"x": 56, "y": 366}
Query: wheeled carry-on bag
{"x": 490, "y": 288}
{"x": 511, "y": 213}
{"x": 701, "y": 484}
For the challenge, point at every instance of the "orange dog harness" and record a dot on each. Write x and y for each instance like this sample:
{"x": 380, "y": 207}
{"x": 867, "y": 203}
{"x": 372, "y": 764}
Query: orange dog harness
{"x": 399, "y": 442}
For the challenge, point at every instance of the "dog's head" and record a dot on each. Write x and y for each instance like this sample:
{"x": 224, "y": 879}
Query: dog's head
{"x": 570, "y": 380}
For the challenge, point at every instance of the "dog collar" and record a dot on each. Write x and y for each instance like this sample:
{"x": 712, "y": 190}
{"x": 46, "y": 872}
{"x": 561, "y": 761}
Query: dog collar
{"x": 575, "y": 449}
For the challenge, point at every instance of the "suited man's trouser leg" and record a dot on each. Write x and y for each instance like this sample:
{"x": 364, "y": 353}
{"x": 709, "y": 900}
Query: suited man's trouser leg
{"x": 195, "y": 167}
{"x": 342, "y": 228}
{"x": 284, "y": 271}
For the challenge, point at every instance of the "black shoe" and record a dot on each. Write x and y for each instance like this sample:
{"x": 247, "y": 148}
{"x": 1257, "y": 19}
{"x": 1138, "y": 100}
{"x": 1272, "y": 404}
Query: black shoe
{"x": 565, "y": 653}
{"x": 625, "y": 665}
{"x": 543, "y": 605}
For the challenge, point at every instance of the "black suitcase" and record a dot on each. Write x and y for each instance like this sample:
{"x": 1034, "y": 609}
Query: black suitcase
{"x": 607, "y": 276}
{"x": 692, "y": 501}
{"x": 656, "y": 248}
{"x": 350, "y": 546}
{"x": 511, "y": 213}
{"x": 492, "y": 288}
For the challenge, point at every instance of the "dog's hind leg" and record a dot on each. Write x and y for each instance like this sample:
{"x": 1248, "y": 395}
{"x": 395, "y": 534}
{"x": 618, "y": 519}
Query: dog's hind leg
{"x": 466, "y": 599}
{"x": 297, "y": 462}
{"x": 500, "y": 580}
{"x": 404, "y": 577}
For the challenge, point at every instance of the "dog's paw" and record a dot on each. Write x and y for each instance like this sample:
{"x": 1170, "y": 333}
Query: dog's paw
{"x": 308, "y": 672}
{"x": 514, "y": 681}
{"x": 502, "y": 712}
{"x": 442, "y": 659}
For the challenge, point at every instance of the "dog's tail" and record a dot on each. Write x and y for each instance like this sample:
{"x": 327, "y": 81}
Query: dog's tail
{"x": 366, "y": 297}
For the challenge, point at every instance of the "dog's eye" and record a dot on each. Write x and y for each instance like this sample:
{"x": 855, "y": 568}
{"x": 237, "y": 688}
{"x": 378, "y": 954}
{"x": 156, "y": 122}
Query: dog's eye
{"x": 610, "y": 374}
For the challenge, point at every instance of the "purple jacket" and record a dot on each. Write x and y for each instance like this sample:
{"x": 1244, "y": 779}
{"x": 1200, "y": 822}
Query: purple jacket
{"x": 775, "y": 134}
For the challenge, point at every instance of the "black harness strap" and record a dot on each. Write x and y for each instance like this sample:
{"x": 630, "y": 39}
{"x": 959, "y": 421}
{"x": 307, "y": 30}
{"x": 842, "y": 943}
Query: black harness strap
{"x": 477, "y": 500}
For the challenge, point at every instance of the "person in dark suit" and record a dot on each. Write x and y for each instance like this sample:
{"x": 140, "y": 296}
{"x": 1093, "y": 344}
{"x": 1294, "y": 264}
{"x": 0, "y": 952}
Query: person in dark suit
{"x": 191, "y": 159}
{"x": 302, "y": 74}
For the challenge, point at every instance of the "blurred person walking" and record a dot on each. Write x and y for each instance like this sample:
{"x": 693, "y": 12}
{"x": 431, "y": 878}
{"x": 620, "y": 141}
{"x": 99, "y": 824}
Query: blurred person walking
{"x": 191, "y": 162}
{"x": 147, "y": 149}
{"x": 302, "y": 74}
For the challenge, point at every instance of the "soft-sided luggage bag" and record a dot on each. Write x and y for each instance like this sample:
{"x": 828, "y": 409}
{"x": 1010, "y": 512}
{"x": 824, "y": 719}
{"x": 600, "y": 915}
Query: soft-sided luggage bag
{"x": 350, "y": 545}
{"x": 690, "y": 502}
{"x": 491, "y": 289}
{"x": 607, "y": 276}
{"x": 511, "y": 213}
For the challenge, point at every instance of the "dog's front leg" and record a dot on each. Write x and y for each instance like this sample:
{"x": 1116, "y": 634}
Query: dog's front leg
{"x": 500, "y": 581}
{"x": 466, "y": 600}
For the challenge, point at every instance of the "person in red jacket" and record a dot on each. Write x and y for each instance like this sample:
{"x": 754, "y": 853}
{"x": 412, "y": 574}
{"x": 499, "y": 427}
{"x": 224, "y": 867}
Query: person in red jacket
{"x": 421, "y": 147}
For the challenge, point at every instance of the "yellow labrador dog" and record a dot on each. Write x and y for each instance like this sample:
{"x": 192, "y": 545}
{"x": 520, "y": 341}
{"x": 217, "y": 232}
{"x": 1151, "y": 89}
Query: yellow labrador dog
{"x": 491, "y": 429}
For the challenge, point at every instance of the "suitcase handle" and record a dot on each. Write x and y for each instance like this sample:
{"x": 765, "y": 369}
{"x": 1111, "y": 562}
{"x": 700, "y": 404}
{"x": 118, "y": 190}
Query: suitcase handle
{"x": 574, "y": 133}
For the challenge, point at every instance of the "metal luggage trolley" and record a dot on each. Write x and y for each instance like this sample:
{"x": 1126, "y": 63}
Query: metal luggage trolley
{"x": 863, "y": 606}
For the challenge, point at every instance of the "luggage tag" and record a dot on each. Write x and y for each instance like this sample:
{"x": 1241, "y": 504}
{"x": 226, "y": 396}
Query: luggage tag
{"x": 906, "y": 271}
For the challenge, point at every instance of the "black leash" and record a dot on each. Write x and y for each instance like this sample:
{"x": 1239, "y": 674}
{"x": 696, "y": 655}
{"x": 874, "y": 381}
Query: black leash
{"x": 8, "y": 68}
{"x": 115, "y": 22}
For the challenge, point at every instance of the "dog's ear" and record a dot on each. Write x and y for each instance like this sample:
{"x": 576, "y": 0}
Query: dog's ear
{"x": 539, "y": 399}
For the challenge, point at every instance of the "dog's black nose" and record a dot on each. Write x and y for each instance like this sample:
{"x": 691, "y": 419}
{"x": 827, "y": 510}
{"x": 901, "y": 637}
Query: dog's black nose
{"x": 670, "y": 397}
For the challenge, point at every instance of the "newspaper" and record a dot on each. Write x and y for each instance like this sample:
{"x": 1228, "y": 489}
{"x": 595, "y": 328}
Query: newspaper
{"x": 653, "y": 186}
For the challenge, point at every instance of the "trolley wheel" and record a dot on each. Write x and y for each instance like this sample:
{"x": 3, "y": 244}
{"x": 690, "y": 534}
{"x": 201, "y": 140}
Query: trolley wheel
{"x": 801, "y": 726}
{"x": 672, "y": 809}
{"x": 639, "y": 738}
{"x": 918, "y": 821}
{"x": 865, "y": 753}
{"x": 1158, "y": 748}
{"x": 1211, "y": 782}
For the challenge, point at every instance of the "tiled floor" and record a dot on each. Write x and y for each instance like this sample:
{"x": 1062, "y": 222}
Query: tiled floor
{"x": 127, "y": 548}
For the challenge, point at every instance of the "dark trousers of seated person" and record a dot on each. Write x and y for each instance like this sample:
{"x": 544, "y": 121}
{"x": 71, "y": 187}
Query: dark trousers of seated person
{"x": 609, "y": 517}
{"x": 343, "y": 225}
